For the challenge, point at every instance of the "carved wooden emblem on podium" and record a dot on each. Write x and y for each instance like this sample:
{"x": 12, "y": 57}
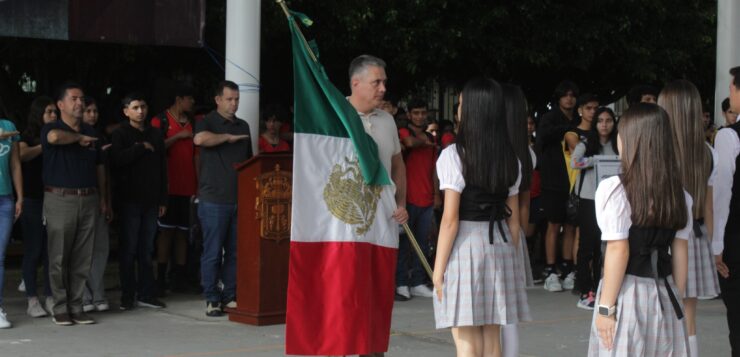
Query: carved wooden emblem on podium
{"x": 273, "y": 205}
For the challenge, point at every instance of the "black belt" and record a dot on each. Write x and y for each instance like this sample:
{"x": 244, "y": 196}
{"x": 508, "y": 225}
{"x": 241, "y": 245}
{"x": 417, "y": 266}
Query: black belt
{"x": 671, "y": 295}
{"x": 657, "y": 275}
{"x": 697, "y": 228}
{"x": 87, "y": 191}
{"x": 479, "y": 205}
{"x": 499, "y": 212}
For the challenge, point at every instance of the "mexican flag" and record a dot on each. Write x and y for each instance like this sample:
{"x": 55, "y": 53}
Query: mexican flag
{"x": 343, "y": 240}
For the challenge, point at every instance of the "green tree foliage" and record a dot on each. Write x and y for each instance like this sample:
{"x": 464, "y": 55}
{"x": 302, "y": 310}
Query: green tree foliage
{"x": 605, "y": 46}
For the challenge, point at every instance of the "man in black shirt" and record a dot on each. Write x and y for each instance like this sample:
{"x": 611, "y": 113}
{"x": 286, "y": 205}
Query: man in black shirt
{"x": 555, "y": 182}
{"x": 726, "y": 240}
{"x": 138, "y": 160}
{"x": 74, "y": 182}
{"x": 224, "y": 140}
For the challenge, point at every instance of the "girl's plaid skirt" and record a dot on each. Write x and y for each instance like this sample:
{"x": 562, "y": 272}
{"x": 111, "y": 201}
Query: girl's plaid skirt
{"x": 484, "y": 283}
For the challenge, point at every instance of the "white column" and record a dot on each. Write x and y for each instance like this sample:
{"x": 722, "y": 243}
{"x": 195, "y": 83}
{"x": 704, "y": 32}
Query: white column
{"x": 728, "y": 52}
{"x": 243, "y": 58}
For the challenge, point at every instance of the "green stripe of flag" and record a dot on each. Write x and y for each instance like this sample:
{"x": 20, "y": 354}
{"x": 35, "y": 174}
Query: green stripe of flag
{"x": 320, "y": 108}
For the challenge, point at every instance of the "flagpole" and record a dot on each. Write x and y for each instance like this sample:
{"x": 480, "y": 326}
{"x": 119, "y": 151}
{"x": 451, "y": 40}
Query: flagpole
{"x": 417, "y": 248}
{"x": 305, "y": 43}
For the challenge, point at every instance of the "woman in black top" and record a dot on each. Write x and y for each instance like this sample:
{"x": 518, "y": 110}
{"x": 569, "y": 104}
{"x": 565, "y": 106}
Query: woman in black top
{"x": 43, "y": 110}
{"x": 94, "y": 297}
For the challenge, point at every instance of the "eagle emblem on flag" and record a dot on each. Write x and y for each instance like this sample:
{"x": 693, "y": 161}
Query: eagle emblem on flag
{"x": 348, "y": 197}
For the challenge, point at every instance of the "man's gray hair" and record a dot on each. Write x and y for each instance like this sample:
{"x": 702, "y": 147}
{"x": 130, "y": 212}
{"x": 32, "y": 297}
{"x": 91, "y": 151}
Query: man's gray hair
{"x": 360, "y": 64}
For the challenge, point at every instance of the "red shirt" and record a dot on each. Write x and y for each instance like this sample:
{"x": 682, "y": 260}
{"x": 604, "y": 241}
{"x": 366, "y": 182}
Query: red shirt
{"x": 285, "y": 127}
{"x": 180, "y": 164}
{"x": 535, "y": 189}
{"x": 419, "y": 170}
{"x": 265, "y": 145}
{"x": 447, "y": 139}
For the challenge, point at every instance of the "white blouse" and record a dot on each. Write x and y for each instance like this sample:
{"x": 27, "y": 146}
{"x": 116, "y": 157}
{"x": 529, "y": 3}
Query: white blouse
{"x": 533, "y": 156}
{"x": 613, "y": 211}
{"x": 449, "y": 171}
{"x": 713, "y": 174}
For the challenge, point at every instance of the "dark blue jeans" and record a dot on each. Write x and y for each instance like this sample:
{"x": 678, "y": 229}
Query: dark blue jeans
{"x": 218, "y": 260}
{"x": 7, "y": 211}
{"x": 138, "y": 228}
{"x": 34, "y": 245}
{"x": 420, "y": 222}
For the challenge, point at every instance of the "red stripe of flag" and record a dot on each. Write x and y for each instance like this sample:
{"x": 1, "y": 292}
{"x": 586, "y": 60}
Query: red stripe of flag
{"x": 340, "y": 298}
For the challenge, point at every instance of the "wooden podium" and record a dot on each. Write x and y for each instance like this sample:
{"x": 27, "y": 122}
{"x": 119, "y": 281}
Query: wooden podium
{"x": 263, "y": 239}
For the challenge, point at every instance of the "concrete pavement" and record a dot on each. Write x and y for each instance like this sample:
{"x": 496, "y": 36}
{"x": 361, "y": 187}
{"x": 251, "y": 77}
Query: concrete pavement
{"x": 183, "y": 330}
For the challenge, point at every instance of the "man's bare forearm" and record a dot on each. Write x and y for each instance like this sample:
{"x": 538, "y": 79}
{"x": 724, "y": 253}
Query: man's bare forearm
{"x": 62, "y": 137}
{"x": 209, "y": 139}
{"x": 398, "y": 175}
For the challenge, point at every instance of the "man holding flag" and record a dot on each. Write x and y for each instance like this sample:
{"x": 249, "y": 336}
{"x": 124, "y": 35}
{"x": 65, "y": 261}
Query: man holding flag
{"x": 367, "y": 82}
{"x": 349, "y": 193}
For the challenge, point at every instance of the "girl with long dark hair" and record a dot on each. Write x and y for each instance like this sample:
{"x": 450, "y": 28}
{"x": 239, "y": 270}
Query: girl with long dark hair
{"x": 697, "y": 169}
{"x": 43, "y": 110}
{"x": 645, "y": 218}
{"x": 477, "y": 286}
{"x": 602, "y": 141}
{"x": 93, "y": 298}
{"x": 515, "y": 105}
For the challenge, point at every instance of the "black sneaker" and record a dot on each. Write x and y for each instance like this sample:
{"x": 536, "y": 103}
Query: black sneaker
{"x": 62, "y": 320}
{"x": 213, "y": 309}
{"x": 82, "y": 318}
{"x": 127, "y": 304}
{"x": 151, "y": 302}
{"x": 538, "y": 279}
{"x": 229, "y": 304}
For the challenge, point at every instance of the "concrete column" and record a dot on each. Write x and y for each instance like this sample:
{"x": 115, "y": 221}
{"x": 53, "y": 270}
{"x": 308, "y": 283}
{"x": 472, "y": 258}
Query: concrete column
{"x": 728, "y": 52}
{"x": 243, "y": 58}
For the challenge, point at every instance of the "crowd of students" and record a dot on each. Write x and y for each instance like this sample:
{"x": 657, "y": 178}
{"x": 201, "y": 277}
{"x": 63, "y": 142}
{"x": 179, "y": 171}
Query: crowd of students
{"x": 483, "y": 192}
{"x": 73, "y": 181}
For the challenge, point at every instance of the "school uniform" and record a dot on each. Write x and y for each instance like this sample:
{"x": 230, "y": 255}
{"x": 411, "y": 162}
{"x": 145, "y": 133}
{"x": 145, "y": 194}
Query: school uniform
{"x": 483, "y": 283}
{"x": 649, "y": 311}
{"x": 702, "y": 274}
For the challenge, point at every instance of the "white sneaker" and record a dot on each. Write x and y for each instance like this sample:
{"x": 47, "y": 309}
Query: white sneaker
{"x": 22, "y": 286}
{"x": 552, "y": 283}
{"x": 422, "y": 291}
{"x": 404, "y": 291}
{"x": 88, "y": 307}
{"x": 102, "y": 306}
{"x": 570, "y": 281}
{"x": 34, "y": 308}
{"x": 49, "y": 305}
{"x": 4, "y": 323}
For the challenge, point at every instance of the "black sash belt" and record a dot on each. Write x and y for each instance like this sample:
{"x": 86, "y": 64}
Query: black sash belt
{"x": 657, "y": 267}
{"x": 481, "y": 206}
{"x": 499, "y": 212}
{"x": 697, "y": 228}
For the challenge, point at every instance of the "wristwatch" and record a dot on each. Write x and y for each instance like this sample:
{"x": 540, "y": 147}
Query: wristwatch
{"x": 607, "y": 311}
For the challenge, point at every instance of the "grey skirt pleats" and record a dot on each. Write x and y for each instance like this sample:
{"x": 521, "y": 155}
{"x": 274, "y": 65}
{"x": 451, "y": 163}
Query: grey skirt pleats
{"x": 484, "y": 283}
